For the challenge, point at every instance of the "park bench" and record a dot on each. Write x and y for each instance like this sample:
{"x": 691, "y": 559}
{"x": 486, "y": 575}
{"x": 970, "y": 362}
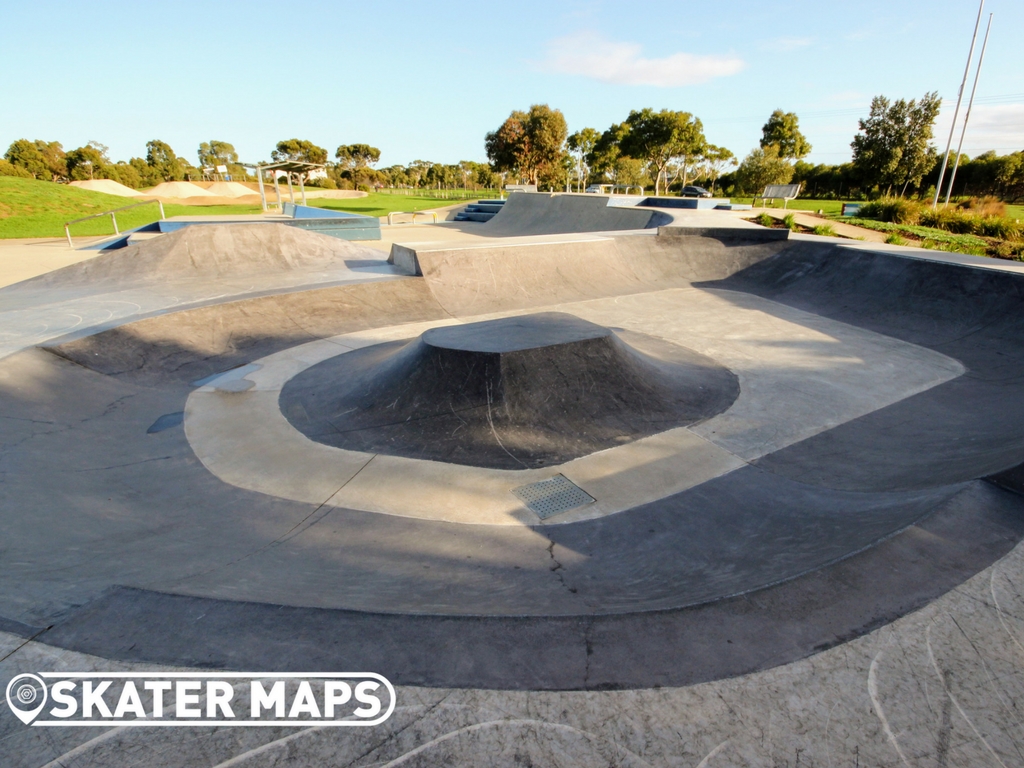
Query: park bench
{"x": 414, "y": 214}
{"x": 785, "y": 192}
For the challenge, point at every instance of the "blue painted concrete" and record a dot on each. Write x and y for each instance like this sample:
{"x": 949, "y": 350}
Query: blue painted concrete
{"x": 482, "y": 210}
{"x": 345, "y": 226}
{"x": 297, "y": 211}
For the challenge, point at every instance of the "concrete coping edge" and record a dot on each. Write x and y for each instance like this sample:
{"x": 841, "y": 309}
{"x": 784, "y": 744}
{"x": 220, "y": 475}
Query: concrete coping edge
{"x": 761, "y": 234}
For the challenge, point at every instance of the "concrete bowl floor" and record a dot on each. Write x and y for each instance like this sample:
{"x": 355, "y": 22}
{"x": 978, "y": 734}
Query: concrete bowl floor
{"x": 802, "y": 565}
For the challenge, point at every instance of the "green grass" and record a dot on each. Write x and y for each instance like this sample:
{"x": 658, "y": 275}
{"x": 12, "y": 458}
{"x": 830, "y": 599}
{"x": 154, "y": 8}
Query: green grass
{"x": 830, "y": 207}
{"x": 30, "y": 208}
{"x": 1015, "y": 212}
{"x": 376, "y": 204}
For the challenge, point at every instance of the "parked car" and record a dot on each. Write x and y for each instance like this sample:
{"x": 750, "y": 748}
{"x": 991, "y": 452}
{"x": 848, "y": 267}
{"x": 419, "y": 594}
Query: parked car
{"x": 694, "y": 192}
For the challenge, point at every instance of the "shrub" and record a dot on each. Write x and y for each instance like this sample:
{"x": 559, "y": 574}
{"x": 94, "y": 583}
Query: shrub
{"x": 936, "y": 245}
{"x": 1006, "y": 250}
{"x": 984, "y": 206}
{"x": 1000, "y": 227}
{"x": 894, "y": 209}
{"x": 895, "y": 239}
{"x": 789, "y": 222}
{"x": 765, "y": 220}
{"x": 9, "y": 169}
{"x": 953, "y": 220}
{"x": 825, "y": 230}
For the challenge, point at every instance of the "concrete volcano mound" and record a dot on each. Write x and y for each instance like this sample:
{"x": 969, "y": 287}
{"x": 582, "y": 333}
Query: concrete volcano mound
{"x": 521, "y": 392}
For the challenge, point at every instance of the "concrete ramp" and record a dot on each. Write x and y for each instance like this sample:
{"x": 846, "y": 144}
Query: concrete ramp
{"x": 474, "y": 280}
{"x": 537, "y": 213}
{"x": 209, "y": 252}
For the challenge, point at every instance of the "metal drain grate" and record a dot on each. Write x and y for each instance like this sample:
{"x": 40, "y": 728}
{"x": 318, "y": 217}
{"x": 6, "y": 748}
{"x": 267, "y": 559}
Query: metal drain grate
{"x": 551, "y": 497}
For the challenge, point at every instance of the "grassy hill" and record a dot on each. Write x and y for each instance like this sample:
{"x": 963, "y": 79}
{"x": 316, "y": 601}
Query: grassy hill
{"x": 30, "y": 208}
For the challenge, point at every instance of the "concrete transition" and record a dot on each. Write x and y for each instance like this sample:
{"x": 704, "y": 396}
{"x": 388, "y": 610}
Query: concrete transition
{"x": 792, "y": 449}
{"x": 203, "y": 253}
{"x": 527, "y": 391}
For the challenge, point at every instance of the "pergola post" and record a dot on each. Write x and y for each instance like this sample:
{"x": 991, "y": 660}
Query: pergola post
{"x": 287, "y": 167}
{"x": 263, "y": 191}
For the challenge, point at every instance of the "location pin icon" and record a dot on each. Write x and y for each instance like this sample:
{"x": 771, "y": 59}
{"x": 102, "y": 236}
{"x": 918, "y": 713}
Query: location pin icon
{"x": 26, "y": 696}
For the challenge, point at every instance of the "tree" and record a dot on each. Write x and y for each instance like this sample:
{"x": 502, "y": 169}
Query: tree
{"x": 529, "y": 143}
{"x": 1011, "y": 176}
{"x": 123, "y": 173}
{"x": 417, "y": 171}
{"x": 165, "y": 165}
{"x": 299, "y": 151}
{"x": 486, "y": 177}
{"x": 892, "y": 148}
{"x": 396, "y": 176}
{"x": 53, "y": 154}
{"x": 442, "y": 176}
{"x": 629, "y": 171}
{"x": 25, "y": 154}
{"x": 783, "y": 131}
{"x": 42, "y": 159}
{"x": 214, "y": 153}
{"x": 607, "y": 150}
{"x": 716, "y": 160}
{"x": 580, "y": 145}
{"x": 659, "y": 137}
{"x": 354, "y": 160}
{"x": 87, "y": 162}
{"x": 762, "y": 167}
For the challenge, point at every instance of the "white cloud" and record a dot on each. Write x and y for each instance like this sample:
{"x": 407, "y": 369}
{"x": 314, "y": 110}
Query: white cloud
{"x": 788, "y": 43}
{"x": 996, "y": 126}
{"x": 592, "y": 55}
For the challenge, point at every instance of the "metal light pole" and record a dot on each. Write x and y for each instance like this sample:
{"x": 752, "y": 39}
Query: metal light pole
{"x": 970, "y": 103}
{"x": 956, "y": 112}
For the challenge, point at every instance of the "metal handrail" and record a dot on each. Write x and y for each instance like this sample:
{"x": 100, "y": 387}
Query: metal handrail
{"x": 113, "y": 218}
{"x": 410, "y": 213}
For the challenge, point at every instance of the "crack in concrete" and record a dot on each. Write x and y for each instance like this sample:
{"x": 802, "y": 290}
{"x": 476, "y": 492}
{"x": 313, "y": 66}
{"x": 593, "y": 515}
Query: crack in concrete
{"x": 129, "y": 464}
{"x": 391, "y": 736}
{"x": 558, "y": 568}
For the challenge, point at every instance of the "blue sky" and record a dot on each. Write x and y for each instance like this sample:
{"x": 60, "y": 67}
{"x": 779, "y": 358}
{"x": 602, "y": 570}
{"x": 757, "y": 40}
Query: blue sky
{"x": 428, "y": 80}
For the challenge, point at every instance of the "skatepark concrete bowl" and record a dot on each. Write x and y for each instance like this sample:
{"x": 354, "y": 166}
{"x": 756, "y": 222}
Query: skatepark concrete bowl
{"x": 813, "y": 440}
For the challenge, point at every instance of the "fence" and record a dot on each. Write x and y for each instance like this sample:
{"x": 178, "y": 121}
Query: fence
{"x": 442, "y": 194}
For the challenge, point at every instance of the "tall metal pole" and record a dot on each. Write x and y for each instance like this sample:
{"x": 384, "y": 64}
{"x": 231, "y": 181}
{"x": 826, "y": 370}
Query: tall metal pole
{"x": 956, "y": 112}
{"x": 970, "y": 103}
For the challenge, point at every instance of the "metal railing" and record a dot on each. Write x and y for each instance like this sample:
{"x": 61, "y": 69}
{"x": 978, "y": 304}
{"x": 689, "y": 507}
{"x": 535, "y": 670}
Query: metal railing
{"x": 414, "y": 214}
{"x": 113, "y": 218}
